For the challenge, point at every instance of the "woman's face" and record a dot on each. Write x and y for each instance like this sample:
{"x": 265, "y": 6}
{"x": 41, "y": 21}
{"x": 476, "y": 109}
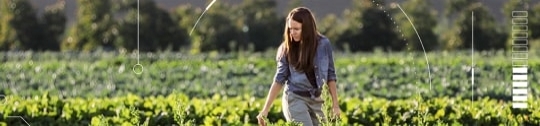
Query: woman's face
{"x": 295, "y": 29}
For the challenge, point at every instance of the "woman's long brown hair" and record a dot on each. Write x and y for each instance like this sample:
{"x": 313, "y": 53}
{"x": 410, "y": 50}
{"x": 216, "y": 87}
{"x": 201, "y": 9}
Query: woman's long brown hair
{"x": 302, "y": 56}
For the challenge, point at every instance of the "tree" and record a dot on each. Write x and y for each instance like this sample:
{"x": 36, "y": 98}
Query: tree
{"x": 216, "y": 31}
{"x": 369, "y": 27}
{"x": 20, "y": 29}
{"x": 534, "y": 21}
{"x": 185, "y": 18}
{"x": 157, "y": 30}
{"x": 260, "y": 25}
{"x": 352, "y": 24}
{"x": 331, "y": 27}
{"x": 93, "y": 28}
{"x": 508, "y": 9}
{"x": 487, "y": 36}
{"x": 456, "y": 6}
{"x": 54, "y": 22}
{"x": 423, "y": 18}
{"x": 515, "y": 5}
{"x": 292, "y": 4}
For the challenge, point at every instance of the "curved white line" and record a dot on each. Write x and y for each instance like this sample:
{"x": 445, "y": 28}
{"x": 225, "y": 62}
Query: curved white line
{"x": 425, "y": 55}
{"x": 207, "y": 7}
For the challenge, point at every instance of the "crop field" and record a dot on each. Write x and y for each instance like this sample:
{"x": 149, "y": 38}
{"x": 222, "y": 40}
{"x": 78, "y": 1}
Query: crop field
{"x": 101, "y": 88}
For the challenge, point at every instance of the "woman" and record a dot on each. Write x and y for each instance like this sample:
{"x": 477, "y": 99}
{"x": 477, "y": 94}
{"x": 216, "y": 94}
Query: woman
{"x": 304, "y": 64}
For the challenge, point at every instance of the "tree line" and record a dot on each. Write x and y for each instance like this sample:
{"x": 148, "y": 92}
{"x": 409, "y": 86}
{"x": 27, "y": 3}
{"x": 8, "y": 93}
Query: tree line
{"x": 254, "y": 25}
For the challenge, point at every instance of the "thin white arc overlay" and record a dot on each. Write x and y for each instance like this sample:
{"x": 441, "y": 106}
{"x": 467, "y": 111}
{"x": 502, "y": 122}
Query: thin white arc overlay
{"x": 421, "y": 43}
{"x": 20, "y": 118}
{"x": 207, "y": 7}
{"x": 472, "y": 56}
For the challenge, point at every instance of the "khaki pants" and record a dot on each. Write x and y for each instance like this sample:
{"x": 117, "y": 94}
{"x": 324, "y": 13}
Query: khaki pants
{"x": 302, "y": 109}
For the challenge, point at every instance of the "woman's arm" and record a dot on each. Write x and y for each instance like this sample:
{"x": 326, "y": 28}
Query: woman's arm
{"x": 276, "y": 87}
{"x": 274, "y": 90}
{"x": 333, "y": 94}
{"x": 280, "y": 78}
{"x": 332, "y": 78}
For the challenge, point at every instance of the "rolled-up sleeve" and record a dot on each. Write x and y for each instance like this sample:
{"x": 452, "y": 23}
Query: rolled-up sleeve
{"x": 331, "y": 67}
{"x": 282, "y": 72}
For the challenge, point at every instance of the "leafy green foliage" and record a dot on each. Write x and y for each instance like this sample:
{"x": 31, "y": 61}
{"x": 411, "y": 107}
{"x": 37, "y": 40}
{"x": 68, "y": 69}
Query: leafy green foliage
{"x": 388, "y": 75}
{"x": 241, "y": 110}
{"x": 229, "y": 89}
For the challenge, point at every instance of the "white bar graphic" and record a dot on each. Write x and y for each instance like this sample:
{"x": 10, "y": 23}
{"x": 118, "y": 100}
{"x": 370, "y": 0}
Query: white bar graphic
{"x": 520, "y": 70}
{"x": 519, "y": 77}
{"x": 520, "y": 28}
{"x": 517, "y": 91}
{"x": 520, "y": 63}
{"x": 520, "y": 21}
{"x": 522, "y": 48}
{"x": 520, "y": 84}
{"x": 519, "y": 105}
{"x": 520, "y": 56}
{"x": 519, "y": 14}
{"x": 522, "y": 35}
{"x": 519, "y": 98}
{"x": 523, "y": 42}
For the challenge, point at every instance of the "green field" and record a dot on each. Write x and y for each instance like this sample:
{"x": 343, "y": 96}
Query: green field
{"x": 229, "y": 89}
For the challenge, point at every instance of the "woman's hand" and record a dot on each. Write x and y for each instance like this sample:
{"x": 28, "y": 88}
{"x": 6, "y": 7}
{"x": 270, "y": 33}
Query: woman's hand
{"x": 336, "y": 111}
{"x": 261, "y": 119}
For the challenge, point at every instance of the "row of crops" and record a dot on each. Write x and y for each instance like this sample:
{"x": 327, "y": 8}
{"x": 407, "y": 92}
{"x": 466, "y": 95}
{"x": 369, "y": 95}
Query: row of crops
{"x": 388, "y": 75}
{"x": 100, "y": 88}
{"x": 179, "y": 109}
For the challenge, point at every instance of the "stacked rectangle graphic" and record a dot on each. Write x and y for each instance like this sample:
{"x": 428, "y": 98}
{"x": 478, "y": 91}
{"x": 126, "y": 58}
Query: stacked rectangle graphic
{"x": 520, "y": 57}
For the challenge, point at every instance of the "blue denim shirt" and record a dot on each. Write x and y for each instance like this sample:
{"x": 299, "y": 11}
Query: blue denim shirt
{"x": 298, "y": 81}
